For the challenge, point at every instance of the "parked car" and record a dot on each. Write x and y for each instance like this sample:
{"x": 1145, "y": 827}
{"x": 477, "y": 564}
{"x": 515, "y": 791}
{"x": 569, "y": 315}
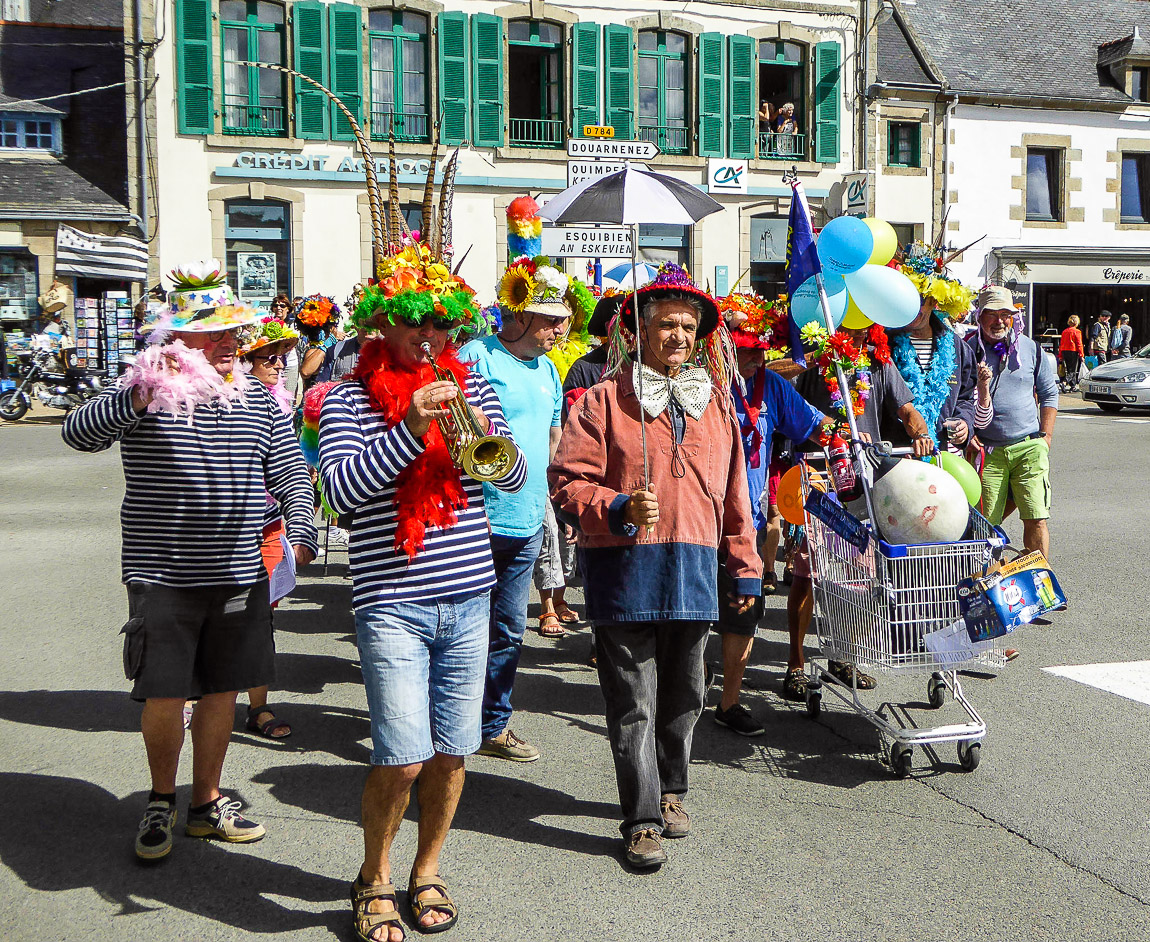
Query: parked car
{"x": 1120, "y": 383}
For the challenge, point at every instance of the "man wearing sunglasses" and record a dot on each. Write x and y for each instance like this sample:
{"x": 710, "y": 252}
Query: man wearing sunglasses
{"x": 201, "y": 443}
{"x": 1024, "y": 392}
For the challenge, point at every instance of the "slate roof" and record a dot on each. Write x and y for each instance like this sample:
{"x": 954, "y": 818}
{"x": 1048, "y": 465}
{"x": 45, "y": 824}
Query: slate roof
{"x": 898, "y": 62}
{"x": 1021, "y": 48}
{"x": 77, "y": 12}
{"x": 9, "y": 103}
{"x": 43, "y": 188}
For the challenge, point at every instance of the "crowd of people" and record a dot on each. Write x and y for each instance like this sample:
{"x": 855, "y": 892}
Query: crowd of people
{"x": 636, "y": 440}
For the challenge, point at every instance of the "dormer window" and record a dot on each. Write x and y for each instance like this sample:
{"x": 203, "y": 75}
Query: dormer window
{"x": 29, "y": 132}
{"x": 1139, "y": 82}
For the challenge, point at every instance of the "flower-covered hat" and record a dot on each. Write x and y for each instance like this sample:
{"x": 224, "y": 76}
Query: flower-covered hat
{"x": 412, "y": 286}
{"x": 268, "y": 332}
{"x": 200, "y": 302}
{"x": 317, "y": 310}
{"x": 925, "y": 266}
{"x": 670, "y": 281}
{"x": 534, "y": 285}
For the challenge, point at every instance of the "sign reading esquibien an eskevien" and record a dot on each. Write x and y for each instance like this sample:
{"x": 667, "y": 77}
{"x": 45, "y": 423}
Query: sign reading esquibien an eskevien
{"x": 587, "y": 242}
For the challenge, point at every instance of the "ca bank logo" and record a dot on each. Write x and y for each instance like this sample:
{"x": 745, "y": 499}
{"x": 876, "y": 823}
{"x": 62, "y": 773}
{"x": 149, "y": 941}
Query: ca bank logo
{"x": 727, "y": 176}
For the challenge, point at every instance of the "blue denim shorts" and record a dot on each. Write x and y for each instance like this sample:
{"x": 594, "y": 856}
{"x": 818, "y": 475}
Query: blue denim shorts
{"x": 424, "y": 665}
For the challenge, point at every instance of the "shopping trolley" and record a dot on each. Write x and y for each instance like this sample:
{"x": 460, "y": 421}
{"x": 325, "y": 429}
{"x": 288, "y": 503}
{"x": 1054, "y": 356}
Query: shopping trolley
{"x": 873, "y": 608}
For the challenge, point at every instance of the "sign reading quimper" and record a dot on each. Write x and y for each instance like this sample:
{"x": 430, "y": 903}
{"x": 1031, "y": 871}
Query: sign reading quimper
{"x": 580, "y": 170}
{"x": 603, "y": 242}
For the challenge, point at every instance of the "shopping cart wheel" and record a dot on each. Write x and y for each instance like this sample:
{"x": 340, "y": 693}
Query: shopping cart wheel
{"x": 936, "y": 690}
{"x": 969, "y": 752}
{"x": 900, "y": 759}
{"x": 814, "y": 702}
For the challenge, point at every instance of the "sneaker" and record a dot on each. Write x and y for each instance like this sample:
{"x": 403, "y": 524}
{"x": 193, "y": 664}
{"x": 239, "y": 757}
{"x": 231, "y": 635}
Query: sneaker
{"x": 154, "y": 837}
{"x": 738, "y": 719}
{"x": 645, "y": 850}
{"x": 508, "y": 746}
{"x": 223, "y": 822}
{"x": 676, "y": 821}
{"x": 338, "y": 536}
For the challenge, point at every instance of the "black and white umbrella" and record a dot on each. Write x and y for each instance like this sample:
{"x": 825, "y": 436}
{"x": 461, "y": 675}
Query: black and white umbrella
{"x": 629, "y": 197}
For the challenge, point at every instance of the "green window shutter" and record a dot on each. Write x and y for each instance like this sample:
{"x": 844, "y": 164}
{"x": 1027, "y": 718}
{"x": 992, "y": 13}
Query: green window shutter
{"x": 827, "y": 80}
{"x": 585, "y": 80}
{"x": 194, "y": 66}
{"x": 345, "y": 36}
{"x": 711, "y": 81}
{"x": 453, "y": 78}
{"x": 742, "y": 59}
{"x": 309, "y": 28}
{"x": 916, "y": 146}
{"x": 487, "y": 80}
{"x": 619, "y": 106}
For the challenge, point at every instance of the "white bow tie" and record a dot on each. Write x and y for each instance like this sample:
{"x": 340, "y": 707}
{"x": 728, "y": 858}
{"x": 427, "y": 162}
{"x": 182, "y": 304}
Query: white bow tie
{"x": 691, "y": 388}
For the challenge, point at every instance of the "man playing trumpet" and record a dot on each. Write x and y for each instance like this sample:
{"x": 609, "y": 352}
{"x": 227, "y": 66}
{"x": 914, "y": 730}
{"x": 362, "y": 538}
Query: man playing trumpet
{"x": 421, "y": 567}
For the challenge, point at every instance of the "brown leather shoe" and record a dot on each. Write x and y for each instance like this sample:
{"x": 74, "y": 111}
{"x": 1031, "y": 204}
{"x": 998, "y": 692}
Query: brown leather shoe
{"x": 645, "y": 850}
{"x": 676, "y": 821}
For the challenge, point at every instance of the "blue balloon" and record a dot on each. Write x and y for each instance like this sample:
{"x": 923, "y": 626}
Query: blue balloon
{"x": 885, "y": 295}
{"x": 845, "y": 245}
{"x": 805, "y": 307}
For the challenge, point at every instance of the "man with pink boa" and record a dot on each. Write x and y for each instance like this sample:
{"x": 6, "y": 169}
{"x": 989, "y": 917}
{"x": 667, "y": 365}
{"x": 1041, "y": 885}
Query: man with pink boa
{"x": 201, "y": 442}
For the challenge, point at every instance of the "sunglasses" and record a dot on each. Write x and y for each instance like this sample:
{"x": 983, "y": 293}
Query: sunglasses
{"x": 273, "y": 359}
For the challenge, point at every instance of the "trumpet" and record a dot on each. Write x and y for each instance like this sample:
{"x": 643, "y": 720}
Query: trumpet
{"x": 482, "y": 457}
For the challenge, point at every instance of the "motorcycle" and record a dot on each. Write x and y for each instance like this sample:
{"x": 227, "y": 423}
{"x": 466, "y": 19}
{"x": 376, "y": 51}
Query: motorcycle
{"x": 55, "y": 387}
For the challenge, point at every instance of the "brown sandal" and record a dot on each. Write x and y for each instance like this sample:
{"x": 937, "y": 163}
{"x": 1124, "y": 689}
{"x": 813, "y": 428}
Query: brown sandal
{"x": 420, "y": 907}
{"x": 567, "y": 615}
{"x": 367, "y": 922}
{"x": 549, "y": 630}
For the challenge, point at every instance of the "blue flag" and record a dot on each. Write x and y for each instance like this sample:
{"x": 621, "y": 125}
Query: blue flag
{"x": 802, "y": 259}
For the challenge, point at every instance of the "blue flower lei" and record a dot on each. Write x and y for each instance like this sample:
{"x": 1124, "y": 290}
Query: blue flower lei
{"x": 931, "y": 389}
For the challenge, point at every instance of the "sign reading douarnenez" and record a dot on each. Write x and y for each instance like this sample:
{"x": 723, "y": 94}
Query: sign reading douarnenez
{"x": 1123, "y": 274}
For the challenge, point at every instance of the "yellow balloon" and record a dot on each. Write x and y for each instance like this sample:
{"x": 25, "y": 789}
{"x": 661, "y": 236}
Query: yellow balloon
{"x": 885, "y": 240}
{"x": 855, "y": 319}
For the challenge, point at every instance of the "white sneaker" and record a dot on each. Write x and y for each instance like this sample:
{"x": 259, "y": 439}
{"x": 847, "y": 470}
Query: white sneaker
{"x": 338, "y": 536}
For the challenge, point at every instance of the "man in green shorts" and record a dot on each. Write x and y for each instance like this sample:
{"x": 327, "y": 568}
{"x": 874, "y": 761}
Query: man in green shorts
{"x": 1024, "y": 392}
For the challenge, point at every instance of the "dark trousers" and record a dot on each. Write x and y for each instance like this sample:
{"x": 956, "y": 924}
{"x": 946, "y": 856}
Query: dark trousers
{"x": 514, "y": 559}
{"x": 651, "y": 674}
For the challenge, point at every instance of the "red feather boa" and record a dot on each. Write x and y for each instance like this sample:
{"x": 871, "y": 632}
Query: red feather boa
{"x": 428, "y": 491}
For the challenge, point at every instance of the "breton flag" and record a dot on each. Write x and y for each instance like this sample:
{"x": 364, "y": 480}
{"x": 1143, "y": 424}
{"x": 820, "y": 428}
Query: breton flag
{"x": 802, "y": 259}
{"x": 84, "y": 255}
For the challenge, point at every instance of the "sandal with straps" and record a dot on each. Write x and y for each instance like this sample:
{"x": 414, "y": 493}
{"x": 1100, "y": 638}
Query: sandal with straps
{"x": 421, "y": 907}
{"x": 267, "y": 727}
{"x": 368, "y": 922}
{"x": 551, "y": 627}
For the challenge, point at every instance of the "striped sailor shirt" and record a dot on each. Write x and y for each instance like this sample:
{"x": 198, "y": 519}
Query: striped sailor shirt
{"x": 194, "y": 496}
{"x": 359, "y": 459}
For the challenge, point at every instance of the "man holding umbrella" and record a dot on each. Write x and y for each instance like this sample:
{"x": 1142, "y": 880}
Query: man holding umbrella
{"x": 651, "y": 470}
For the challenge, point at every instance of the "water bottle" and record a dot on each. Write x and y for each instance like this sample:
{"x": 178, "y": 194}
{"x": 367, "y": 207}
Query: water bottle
{"x": 842, "y": 468}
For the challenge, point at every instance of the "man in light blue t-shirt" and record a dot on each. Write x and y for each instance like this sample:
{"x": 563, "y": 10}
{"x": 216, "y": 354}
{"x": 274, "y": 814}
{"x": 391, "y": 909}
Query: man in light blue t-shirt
{"x": 531, "y": 395}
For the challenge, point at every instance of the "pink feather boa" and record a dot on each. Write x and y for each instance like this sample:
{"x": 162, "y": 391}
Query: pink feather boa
{"x": 179, "y": 379}
{"x": 279, "y": 392}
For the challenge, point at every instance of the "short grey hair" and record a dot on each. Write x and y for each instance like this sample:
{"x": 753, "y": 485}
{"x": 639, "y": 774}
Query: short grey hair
{"x": 647, "y": 310}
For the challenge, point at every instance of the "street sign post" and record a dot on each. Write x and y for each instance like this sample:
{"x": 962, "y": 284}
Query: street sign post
{"x": 580, "y": 170}
{"x": 587, "y": 242}
{"x": 611, "y": 150}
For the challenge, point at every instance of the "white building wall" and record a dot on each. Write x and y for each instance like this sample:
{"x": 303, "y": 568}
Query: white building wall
{"x": 330, "y": 256}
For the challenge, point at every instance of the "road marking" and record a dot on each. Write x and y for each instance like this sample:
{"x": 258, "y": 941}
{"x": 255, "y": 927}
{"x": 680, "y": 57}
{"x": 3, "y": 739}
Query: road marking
{"x": 1134, "y": 421}
{"x": 1129, "y": 679}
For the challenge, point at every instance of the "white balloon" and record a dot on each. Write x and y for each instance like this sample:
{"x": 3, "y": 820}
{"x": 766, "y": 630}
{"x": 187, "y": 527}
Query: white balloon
{"x": 916, "y": 502}
{"x": 884, "y": 295}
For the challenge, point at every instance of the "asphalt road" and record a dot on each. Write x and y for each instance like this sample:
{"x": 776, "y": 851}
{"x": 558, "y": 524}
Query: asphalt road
{"x": 800, "y": 834}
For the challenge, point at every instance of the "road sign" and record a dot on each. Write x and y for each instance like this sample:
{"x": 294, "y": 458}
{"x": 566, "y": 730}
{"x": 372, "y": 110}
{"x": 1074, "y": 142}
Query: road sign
{"x": 587, "y": 242}
{"x": 580, "y": 170}
{"x": 613, "y": 150}
{"x": 598, "y": 130}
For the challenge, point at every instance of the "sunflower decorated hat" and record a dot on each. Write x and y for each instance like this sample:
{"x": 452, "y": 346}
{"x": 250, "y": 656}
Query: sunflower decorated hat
{"x": 269, "y": 332}
{"x": 536, "y": 286}
{"x": 925, "y": 265}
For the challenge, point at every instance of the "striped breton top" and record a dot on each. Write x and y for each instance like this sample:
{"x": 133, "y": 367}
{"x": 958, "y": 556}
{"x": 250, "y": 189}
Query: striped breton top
{"x": 924, "y": 350}
{"x": 194, "y": 496}
{"x": 359, "y": 458}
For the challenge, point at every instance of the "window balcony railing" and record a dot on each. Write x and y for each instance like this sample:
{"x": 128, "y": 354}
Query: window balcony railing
{"x": 536, "y": 132}
{"x": 670, "y": 140}
{"x": 409, "y": 128}
{"x": 242, "y": 117}
{"x": 775, "y": 145}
